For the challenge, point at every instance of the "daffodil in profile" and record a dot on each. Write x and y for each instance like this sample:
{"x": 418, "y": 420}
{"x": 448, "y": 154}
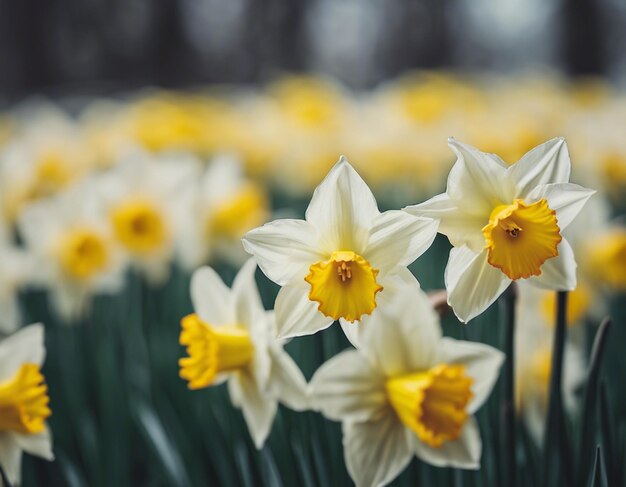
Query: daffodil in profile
{"x": 406, "y": 391}
{"x": 340, "y": 261}
{"x": 230, "y": 337}
{"x": 506, "y": 223}
{"x": 23, "y": 401}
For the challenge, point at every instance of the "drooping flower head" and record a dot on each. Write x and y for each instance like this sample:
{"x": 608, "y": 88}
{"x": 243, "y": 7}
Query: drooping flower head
{"x": 230, "y": 337}
{"x": 340, "y": 261}
{"x": 406, "y": 391}
{"x": 23, "y": 400}
{"x": 506, "y": 223}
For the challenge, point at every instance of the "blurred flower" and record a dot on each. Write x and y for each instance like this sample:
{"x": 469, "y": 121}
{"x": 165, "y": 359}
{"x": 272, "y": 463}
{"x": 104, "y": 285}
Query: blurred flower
{"x": 607, "y": 258}
{"x": 23, "y": 401}
{"x": 230, "y": 337}
{"x": 146, "y": 198}
{"x": 505, "y": 223}
{"x": 406, "y": 391}
{"x": 225, "y": 206}
{"x": 333, "y": 264}
{"x": 73, "y": 250}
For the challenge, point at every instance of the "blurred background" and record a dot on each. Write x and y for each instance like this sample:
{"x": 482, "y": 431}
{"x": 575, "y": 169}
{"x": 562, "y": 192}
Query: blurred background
{"x": 164, "y": 130}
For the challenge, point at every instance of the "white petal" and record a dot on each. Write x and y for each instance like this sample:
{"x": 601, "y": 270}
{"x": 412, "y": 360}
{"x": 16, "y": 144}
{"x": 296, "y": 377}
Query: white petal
{"x": 39, "y": 445}
{"x": 248, "y": 306}
{"x": 287, "y": 384}
{"x": 348, "y": 387}
{"x": 342, "y": 209}
{"x": 558, "y": 273}
{"x": 376, "y": 451}
{"x": 400, "y": 336}
{"x": 461, "y": 227}
{"x": 546, "y": 163}
{"x": 284, "y": 249}
{"x": 397, "y": 239}
{"x": 482, "y": 364}
{"x": 472, "y": 284}
{"x": 296, "y": 315}
{"x": 462, "y": 453}
{"x": 477, "y": 181}
{"x": 566, "y": 199}
{"x": 258, "y": 409}
{"x": 211, "y": 299}
{"x": 24, "y": 346}
{"x": 10, "y": 458}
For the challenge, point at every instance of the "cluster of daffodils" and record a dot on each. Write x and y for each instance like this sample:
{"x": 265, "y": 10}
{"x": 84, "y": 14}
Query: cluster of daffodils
{"x": 404, "y": 389}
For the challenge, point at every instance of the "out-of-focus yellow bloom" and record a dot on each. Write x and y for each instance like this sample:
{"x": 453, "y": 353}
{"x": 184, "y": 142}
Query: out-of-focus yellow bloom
{"x": 83, "y": 252}
{"x": 578, "y": 304}
{"x": 246, "y": 209}
{"x": 607, "y": 258}
{"x": 139, "y": 225}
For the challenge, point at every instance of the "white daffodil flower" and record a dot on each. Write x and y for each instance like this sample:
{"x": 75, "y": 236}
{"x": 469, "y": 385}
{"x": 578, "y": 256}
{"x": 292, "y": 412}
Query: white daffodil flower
{"x": 506, "y": 223}
{"x": 334, "y": 264}
{"x": 225, "y": 206}
{"x": 230, "y": 337}
{"x": 23, "y": 401}
{"x": 72, "y": 248}
{"x": 406, "y": 391}
{"x": 144, "y": 195}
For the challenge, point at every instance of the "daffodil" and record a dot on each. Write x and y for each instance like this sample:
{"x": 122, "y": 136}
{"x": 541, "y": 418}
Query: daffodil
{"x": 340, "y": 261}
{"x": 225, "y": 206}
{"x": 23, "y": 401}
{"x": 230, "y": 337}
{"x": 73, "y": 250}
{"x": 406, "y": 391}
{"x": 505, "y": 223}
{"x": 144, "y": 197}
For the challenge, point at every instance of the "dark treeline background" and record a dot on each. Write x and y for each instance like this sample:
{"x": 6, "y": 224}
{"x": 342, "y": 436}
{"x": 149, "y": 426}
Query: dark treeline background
{"x": 58, "y": 47}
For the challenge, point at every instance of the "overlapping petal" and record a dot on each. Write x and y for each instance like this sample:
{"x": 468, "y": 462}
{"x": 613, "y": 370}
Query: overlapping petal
{"x": 566, "y": 199}
{"x": 296, "y": 314}
{"x": 212, "y": 300}
{"x": 24, "y": 346}
{"x": 558, "y": 273}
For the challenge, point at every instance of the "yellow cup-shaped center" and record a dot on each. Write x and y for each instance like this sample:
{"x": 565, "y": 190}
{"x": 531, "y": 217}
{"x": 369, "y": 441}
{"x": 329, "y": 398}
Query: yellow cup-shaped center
{"x": 24, "y": 401}
{"x": 344, "y": 286}
{"x": 520, "y": 238}
{"x": 83, "y": 252}
{"x": 247, "y": 209}
{"x": 212, "y": 349}
{"x": 433, "y": 403}
{"x": 139, "y": 225}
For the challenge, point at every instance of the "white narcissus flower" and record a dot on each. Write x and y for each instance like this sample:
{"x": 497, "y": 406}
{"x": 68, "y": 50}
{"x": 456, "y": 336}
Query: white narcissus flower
{"x": 144, "y": 196}
{"x": 406, "y": 391}
{"x": 225, "y": 206}
{"x": 23, "y": 401}
{"x": 334, "y": 264}
{"x": 231, "y": 337}
{"x": 73, "y": 251}
{"x": 506, "y": 223}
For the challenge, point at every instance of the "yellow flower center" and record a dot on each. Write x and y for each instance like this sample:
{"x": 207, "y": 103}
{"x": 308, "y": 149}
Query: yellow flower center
{"x": 139, "y": 225}
{"x": 521, "y": 237}
{"x": 83, "y": 252}
{"x": 52, "y": 174}
{"x": 212, "y": 350}
{"x": 24, "y": 401}
{"x": 433, "y": 403}
{"x": 246, "y": 210}
{"x": 344, "y": 286}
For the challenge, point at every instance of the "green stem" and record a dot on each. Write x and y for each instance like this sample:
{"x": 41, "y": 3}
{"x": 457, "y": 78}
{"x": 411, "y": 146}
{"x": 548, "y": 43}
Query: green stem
{"x": 508, "y": 302}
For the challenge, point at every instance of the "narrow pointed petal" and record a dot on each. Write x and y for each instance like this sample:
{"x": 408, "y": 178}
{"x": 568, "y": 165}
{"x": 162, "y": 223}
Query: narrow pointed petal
{"x": 472, "y": 284}
{"x": 482, "y": 364}
{"x": 211, "y": 299}
{"x": 11, "y": 458}
{"x": 566, "y": 199}
{"x": 397, "y": 239}
{"x": 342, "y": 209}
{"x": 39, "y": 445}
{"x": 462, "y": 453}
{"x": 460, "y": 227}
{"x": 558, "y": 273}
{"x": 287, "y": 384}
{"x": 348, "y": 387}
{"x": 258, "y": 409}
{"x": 296, "y": 314}
{"x": 376, "y": 452}
{"x": 477, "y": 181}
{"x": 24, "y": 346}
{"x": 284, "y": 249}
{"x": 546, "y": 163}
